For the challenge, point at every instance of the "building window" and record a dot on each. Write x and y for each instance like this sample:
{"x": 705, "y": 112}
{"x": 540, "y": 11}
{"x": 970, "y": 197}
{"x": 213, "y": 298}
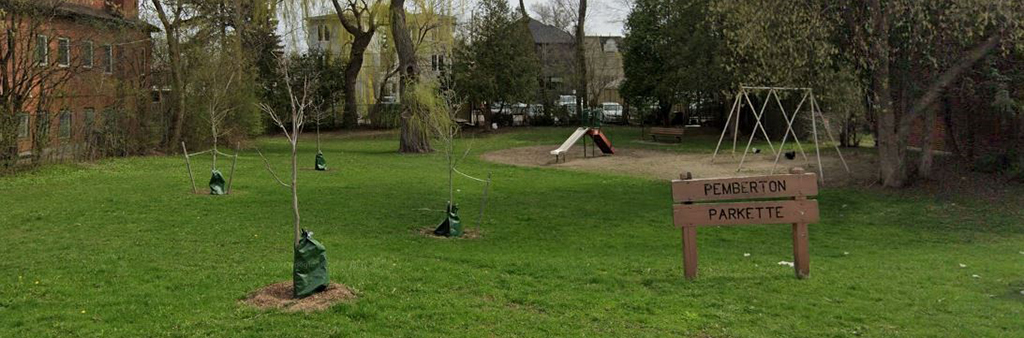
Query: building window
{"x": 23, "y": 125}
{"x": 65, "y": 124}
{"x": 63, "y": 52}
{"x": 42, "y": 50}
{"x": 42, "y": 126}
{"x": 108, "y": 116}
{"x": 87, "y": 54}
{"x": 108, "y": 59}
{"x": 90, "y": 118}
{"x": 437, "y": 62}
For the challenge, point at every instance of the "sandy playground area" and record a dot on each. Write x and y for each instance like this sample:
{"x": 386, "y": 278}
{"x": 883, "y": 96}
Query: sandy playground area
{"x": 669, "y": 165}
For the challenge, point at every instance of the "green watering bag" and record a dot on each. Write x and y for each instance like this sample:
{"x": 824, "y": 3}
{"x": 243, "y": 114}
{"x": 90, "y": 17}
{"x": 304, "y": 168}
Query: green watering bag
{"x": 216, "y": 183}
{"x": 321, "y": 163}
{"x": 451, "y": 226}
{"x": 309, "y": 271}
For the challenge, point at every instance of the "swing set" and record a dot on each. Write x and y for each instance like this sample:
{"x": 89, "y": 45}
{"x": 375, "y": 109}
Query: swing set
{"x": 743, "y": 100}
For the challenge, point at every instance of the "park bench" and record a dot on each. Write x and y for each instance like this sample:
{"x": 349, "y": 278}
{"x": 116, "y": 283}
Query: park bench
{"x": 671, "y": 132}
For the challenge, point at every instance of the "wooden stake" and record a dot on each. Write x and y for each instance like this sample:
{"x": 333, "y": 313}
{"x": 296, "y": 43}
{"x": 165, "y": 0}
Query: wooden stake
{"x": 231, "y": 176}
{"x": 189, "y": 167}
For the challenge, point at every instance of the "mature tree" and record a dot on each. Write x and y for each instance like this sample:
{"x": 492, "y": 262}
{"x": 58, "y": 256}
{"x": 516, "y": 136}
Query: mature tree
{"x": 905, "y": 52}
{"x": 176, "y": 18}
{"x": 560, "y": 14}
{"x": 194, "y": 31}
{"x": 495, "y": 63}
{"x": 360, "y": 20}
{"x": 267, "y": 47}
{"x": 671, "y": 54}
{"x": 971, "y": 31}
{"x": 413, "y": 138}
{"x": 428, "y": 19}
{"x": 581, "y": 56}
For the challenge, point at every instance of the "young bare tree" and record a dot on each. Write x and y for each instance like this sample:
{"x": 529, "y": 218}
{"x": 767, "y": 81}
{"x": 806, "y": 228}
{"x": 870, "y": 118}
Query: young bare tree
{"x": 300, "y": 98}
{"x": 218, "y": 108}
{"x": 435, "y": 115}
{"x": 310, "y": 265}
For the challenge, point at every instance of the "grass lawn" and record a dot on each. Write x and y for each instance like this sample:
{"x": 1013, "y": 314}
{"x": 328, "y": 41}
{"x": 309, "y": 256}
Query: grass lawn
{"x": 122, "y": 248}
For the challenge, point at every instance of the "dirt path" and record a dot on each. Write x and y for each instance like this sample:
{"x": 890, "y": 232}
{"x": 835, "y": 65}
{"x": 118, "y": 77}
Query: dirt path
{"x": 668, "y": 165}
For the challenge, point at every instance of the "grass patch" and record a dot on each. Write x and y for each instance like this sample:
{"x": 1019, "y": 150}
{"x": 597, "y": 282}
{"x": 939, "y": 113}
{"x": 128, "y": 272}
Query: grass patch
{"x": 122, "y": 248}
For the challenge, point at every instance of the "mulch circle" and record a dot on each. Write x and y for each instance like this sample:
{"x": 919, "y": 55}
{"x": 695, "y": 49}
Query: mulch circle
{"x": 279, "y": 296}
{"x": 471, "y": 233}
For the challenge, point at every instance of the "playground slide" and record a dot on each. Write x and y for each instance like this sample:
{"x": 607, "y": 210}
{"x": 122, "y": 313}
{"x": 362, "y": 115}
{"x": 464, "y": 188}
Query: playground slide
{"x": 602, "y": 141}
{"x": 569, "y": 142}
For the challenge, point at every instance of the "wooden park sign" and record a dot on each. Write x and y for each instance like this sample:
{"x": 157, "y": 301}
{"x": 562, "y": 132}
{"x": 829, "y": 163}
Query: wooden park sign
{"x": 778, "y": 199}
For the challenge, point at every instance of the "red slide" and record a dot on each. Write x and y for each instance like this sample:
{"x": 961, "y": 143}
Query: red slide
{"x": 601, "y": 141}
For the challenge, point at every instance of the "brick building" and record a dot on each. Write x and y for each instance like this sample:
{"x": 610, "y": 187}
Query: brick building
{"x": 87, "y": 58}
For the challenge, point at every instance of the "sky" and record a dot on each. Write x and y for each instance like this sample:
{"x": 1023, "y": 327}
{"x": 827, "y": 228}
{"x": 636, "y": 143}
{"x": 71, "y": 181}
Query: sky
{"x": 604, "y": 17}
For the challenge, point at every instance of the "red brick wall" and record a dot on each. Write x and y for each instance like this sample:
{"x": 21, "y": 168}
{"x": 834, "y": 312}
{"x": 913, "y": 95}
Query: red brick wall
{"x": 938, "y": 134}
{"x": 90, "y": 87}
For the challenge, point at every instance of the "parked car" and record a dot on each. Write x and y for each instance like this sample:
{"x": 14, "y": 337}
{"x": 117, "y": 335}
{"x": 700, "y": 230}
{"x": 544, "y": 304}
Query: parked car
{"x": 569, "y": 102}
{"x": 611, "y": 112}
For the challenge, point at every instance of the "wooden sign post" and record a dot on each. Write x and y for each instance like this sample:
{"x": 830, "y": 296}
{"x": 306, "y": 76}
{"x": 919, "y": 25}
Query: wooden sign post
{"x": 782, "y": 199}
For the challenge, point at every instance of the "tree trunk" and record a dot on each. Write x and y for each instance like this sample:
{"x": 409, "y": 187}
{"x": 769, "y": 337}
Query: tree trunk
{"x": 177, "y": 78}
{"x": 891, "y": 150}
{"x": 295, "y": 187}
{"x": 413, "y": 139}
{"x": 581, "y": 58}
{"x": 488, "y": 116}
{"x": 355, "y": 64}
{"x": 924, "y": 169}
{"x": 665, "y": 112}
{"x": 360, "y": 40}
